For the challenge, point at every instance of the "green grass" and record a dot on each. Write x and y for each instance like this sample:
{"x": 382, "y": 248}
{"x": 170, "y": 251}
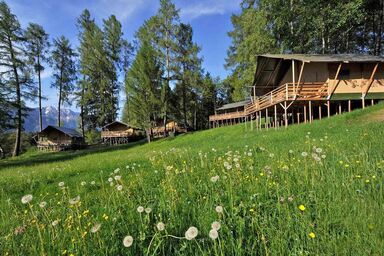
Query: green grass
{"x": 342, "y": 194}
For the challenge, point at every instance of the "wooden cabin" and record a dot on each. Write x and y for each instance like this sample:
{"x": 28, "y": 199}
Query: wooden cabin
{"x": 172, "y": 126}
{"x": 120, "y": 133}
{"x": 54, "y": 138}
{"x": 294, "y": 88}
{"x": 232, "y": 113}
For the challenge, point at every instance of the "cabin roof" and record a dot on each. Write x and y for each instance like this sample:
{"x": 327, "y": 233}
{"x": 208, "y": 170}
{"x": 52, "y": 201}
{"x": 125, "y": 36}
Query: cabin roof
{"x": 119, "y": 122}
{"x": 234, "y": 105}
{"x": 68, "y": 131}
{"x": 327, "y": 57}
{"x": 115, "y": 122}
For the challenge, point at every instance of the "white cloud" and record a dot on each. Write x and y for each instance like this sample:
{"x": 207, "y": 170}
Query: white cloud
{"x": 209, "y": 7}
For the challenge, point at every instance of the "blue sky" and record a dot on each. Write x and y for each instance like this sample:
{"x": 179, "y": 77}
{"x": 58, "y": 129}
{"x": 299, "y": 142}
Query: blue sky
{"x": 210, "y": 20}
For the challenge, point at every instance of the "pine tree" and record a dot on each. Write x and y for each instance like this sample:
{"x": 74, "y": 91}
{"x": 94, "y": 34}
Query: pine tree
{"x": 64, "y": 76}
{"x": 188, "y": 71}
{"x": 143, "y": 84}
{"x": 15, "y": 73}
{"x": 38, "y": 47}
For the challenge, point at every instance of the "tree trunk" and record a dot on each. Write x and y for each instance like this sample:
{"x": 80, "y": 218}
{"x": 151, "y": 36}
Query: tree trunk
{"x": 185, "y": 104}
{"x": 1, "y": 152}
{"x": 60, "y": 93}
{"x": 148, "y": 133}
{"x": 40, "y": 108}
{"x": 58, "y": 108}
{"x": 16, "y": 150}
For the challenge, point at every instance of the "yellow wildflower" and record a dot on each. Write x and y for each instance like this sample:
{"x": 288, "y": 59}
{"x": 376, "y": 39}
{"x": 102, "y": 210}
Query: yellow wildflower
{"x": 301, "y": 207}
{"x": 312, "y": 235}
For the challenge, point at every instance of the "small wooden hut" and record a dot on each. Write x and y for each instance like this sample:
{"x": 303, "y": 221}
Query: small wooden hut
{"x": 171, "y": 126}
{"x": 54, "y": 138}
{"x": 120, "y": 133}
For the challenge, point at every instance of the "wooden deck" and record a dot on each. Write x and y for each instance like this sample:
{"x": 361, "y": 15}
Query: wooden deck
{"x": 116, "y": 134}
{"x": 289, "y": 92}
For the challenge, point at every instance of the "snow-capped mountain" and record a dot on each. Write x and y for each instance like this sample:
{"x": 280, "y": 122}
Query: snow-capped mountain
{"x": 68, "y": 117}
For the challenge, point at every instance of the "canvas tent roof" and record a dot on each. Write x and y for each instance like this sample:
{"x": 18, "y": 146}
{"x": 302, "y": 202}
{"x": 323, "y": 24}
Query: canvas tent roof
{"x": 68, "y": 131}
{"x": 327, "y": 57}
{"x": 234, "y": 105}
{"x": 272, "y": 67}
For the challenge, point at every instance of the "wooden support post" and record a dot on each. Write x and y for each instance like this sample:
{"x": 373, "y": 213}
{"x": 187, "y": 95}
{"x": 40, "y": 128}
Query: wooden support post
{"x": 340, "y": 110}
{"x": 251, "y": 123}
{"x": 363, "y": 102}
{"x": 320, "y": 115}
{"x": 285, "y": 114}
{"x": 372, "y": 102}
{"x": 310, "y": 111}
{"x": 275, "y": 109}
{"x": 305, "y": 113}
{"x": 298, "y": 117}
{"x": 349, "y": 106}
{"x": 328, "y": 108}
{"x": 266, "y": 118}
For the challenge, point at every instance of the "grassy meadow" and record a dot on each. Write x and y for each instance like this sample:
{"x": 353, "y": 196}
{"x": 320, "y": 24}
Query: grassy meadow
{"x": 312, "y": 189}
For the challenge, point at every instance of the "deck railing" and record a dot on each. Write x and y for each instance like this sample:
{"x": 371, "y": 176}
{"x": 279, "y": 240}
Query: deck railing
{"x": 227, "y": 116}
{"x": 109, "y": 134}
{"x": 288, "y": 92}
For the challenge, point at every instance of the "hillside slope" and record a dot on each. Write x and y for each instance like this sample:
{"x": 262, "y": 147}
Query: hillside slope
{"x": 310, "y": 189}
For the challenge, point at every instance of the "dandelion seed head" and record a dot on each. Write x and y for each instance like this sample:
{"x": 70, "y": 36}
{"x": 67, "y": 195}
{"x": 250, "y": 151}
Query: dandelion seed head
{"x": 219, "y": 209}
{"x": 160, "y": 226}
{"x": 304, "y": 154}
{"x": 148, "y": 210}
{"x": 43, "y": 204}
{"x": 26, "y": 199}
{"x": 215, "y": 178}
{"x": 213, "y": 234}
{"x": 140, "y": 209}
{"x": 128, "y": 241}
{"x": 117, "y": 177}
{"x": 110, "y": 179}
{"x": 61, "y": 184}
{"x": 74, "y": 200}
{"x": 119, "y": 187}
{"x": 55, "y": 223}
{"x": 191, "y": 233}
{"x": 95, "y": 228}
{"x": 216, "y": 225}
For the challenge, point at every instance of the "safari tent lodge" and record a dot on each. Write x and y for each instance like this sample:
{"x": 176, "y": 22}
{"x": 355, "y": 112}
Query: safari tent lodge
{"x": 294, "y": 88}
{"x": 54, "y": 138}
{"x": 120, "y": 133}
